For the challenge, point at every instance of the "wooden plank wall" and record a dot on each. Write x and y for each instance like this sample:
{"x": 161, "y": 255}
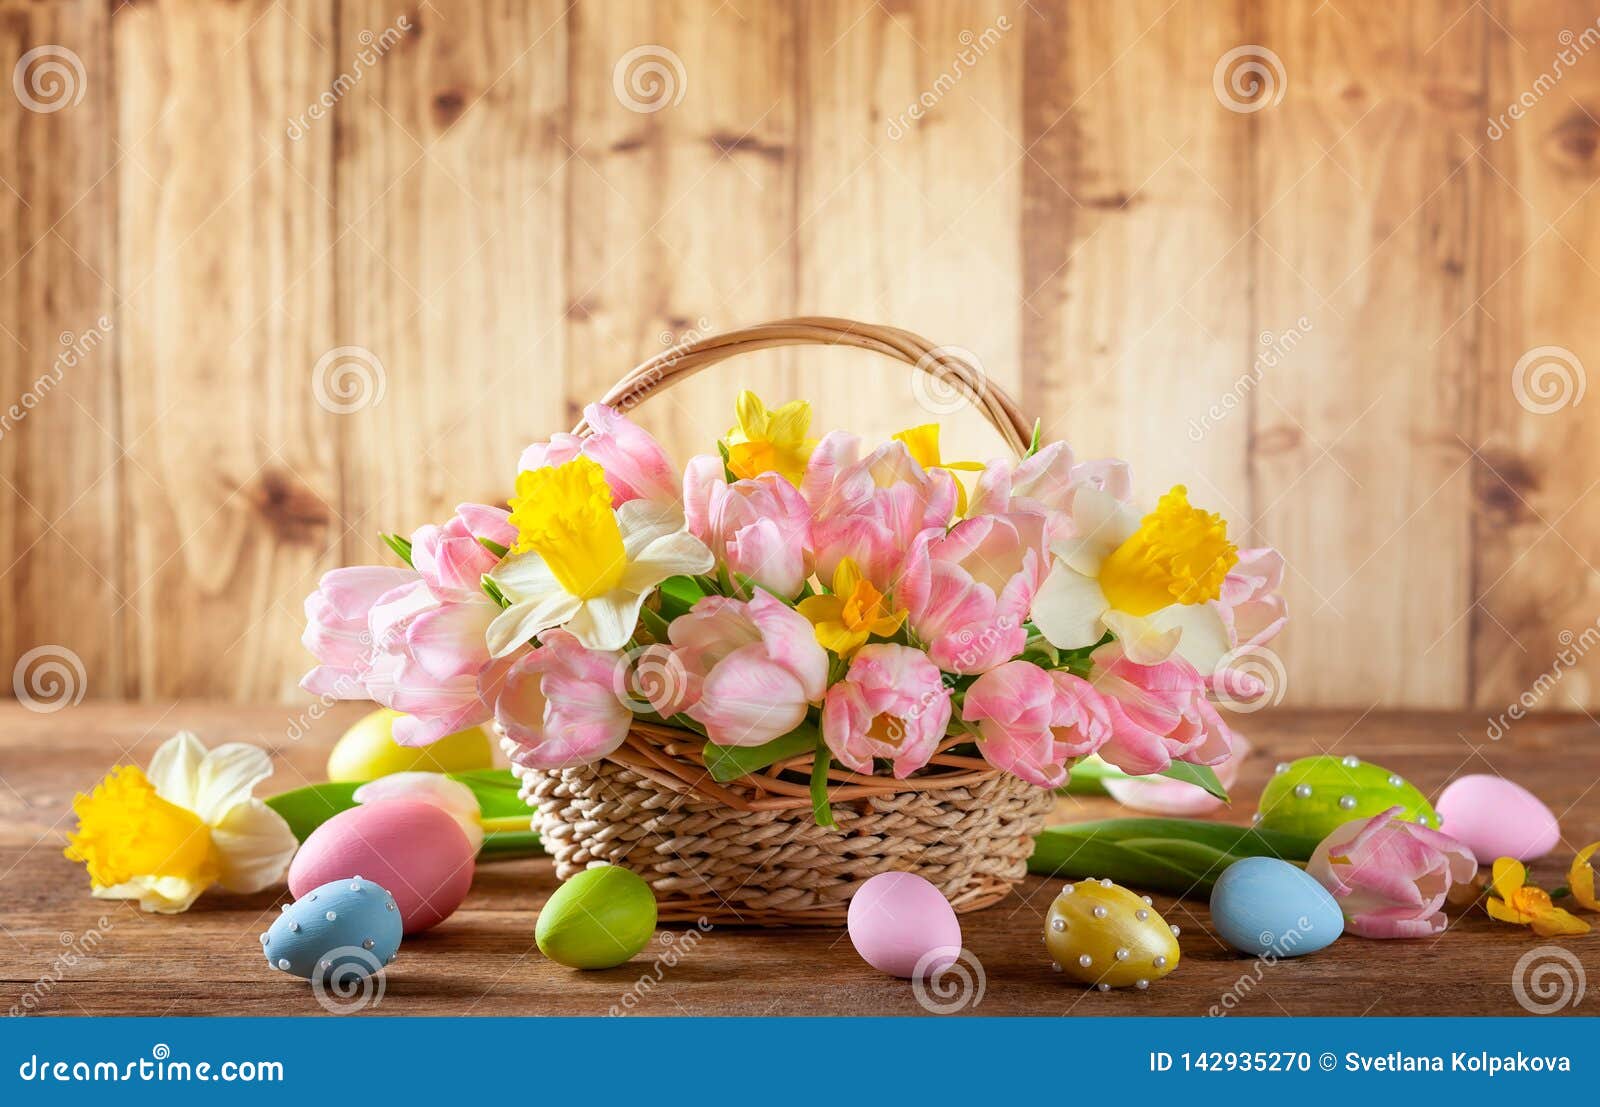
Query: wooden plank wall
{"x": 321, "y": 270}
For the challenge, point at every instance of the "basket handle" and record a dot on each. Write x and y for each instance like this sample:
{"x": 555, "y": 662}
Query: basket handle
{"x": 944, "y": 365}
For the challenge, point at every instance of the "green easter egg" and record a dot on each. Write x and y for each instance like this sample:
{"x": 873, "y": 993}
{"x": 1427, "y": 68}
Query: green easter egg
{"x": 598, "y": 919}
{"x": 1315, "y": 795}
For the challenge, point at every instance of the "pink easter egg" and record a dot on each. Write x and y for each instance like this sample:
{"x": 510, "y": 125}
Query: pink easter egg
{"x": 413, "y": 849}
{"x": 1494, "y": 818}
{"x": 903, "y": 925}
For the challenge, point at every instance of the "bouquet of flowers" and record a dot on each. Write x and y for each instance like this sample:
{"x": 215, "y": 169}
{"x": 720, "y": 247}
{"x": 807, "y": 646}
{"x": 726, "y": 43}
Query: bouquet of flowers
{"x": 871, "y": 605}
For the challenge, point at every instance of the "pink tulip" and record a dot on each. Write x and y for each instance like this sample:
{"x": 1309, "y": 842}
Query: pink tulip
{"x": 893, "y": 704}
{"x": 1044, "y": 484}
{"x": 1160, "y": 795}
{"x": 1032, "y": 722}
{"x": 636, "y": 466}
{"x": 1159, "y": 713}
{"x": 968, "y": 592}
{"x": 451, "y": 557}
{"x": 872, "y": 509}
{"x": 759, "y": 528}
{"x": 1252, "y": 615}
{"x": 1391, "y": 876}
{"x": 752, "y": 669}
{"x": 336, "y": 627}
{"x": 559, "y": 706}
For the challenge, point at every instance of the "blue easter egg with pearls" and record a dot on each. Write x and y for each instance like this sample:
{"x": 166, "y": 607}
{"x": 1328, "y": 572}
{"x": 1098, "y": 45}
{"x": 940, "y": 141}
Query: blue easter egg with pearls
{"x": 345, "y": 928}
{"x": 1267, "y": 907}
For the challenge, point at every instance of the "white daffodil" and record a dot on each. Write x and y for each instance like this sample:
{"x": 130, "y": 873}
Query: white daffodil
{"x": 579, "y": 564}
{"x": 1149, "y": 582}
{"x": 165, "y": 836}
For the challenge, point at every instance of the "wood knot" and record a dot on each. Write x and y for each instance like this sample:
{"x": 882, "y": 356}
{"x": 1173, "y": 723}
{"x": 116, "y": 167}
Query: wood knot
{"x": 295, "y": 513}
{"x": 1506, "y": 486}
{"x": 1572, "y": 144}
{"x": 448, "y": 106}
{"x": 730, "y": 143}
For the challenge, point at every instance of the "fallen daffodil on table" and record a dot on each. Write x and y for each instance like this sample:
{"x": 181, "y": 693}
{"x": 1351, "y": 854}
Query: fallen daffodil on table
{"x": 166, "y": 835}
{"x": 1513, "y": 900}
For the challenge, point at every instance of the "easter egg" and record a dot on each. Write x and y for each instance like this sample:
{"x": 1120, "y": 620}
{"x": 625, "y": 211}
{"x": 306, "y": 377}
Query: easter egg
{"x": 407, "y": 845}
{"x": 368, "y": 750}
{"x": 902, "y": 925}
{"x": 1314, "y": 796}
{"x": 1493, "y": 818}
{"x": 1102, "y": 934}
{"x": 345, "y": 928}
{"x": 598, "y": 919}
{"x": 1264, "y": 906}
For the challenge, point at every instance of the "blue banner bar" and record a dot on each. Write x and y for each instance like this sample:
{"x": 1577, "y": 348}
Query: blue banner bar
{"x": 774, "y": 1061}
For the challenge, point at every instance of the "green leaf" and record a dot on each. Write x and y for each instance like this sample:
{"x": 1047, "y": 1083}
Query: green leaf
{"x": 305, "y": 809}
{"x": 492, "y": 590}
{"x": 1033, "y": 442}
{"x": 731, "y": 762}
{"x": 727, "y": 469}
{"x": 496, "y": 791}
{"x": 506, "y": 844}
{"x": 820, "y": 809}
{"x": 678, "y": 595}
{"x": 401, "y": 546}
{"x": 1199, "y": 775}
{"x": 654, "y": 624}
{"x": 492, "y": 546}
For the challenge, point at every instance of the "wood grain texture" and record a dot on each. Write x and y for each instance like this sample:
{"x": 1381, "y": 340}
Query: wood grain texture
{"x": 505, "y": 206}
{"x": 62, "y": 578}
{"x": 225, "y": 275}
{"x": 483, "y": 960}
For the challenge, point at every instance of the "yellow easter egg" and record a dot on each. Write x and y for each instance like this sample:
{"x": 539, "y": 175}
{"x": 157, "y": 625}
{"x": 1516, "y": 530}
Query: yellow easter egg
{"x": 1101, "y": 934}
{"x": 368, "y": 750}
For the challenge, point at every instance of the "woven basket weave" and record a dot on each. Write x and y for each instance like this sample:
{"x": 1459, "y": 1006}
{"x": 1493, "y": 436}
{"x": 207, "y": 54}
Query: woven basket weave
{"x": 748, "y": 851}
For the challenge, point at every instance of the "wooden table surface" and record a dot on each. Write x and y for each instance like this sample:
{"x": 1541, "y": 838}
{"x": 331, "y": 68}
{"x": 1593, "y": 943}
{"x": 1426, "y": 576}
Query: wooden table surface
{"x": 62, "y": 952}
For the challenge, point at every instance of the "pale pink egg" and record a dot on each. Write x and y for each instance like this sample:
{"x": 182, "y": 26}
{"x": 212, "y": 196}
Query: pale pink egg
{"x": 903, "y": 925}
{"x": 413, "y": 849}
{"x": 1494, "y": 818}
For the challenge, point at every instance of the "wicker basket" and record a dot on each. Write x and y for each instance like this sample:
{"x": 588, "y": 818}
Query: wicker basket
{"x": 748, "y": 851}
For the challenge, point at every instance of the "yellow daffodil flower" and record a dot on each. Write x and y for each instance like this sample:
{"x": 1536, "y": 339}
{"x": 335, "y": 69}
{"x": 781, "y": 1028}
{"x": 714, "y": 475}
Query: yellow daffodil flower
{"x": 164, "y": 837}
{"x": 1148, "y": 581}
{"x": 854, "y": 612}
{"x": 922, "y": 442}
{"x": 1515, "y": 901}
{"x": 1580, "y": 878}
{"x": 770, "y": 441}
{"x": 579, "y": 564}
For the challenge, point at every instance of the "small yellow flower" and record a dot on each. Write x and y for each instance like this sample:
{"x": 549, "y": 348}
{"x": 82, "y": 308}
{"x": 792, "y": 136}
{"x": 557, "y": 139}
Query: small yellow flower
{"x": 922, "y": 442}
{"x": 854, "y": 612}
{"x": 1515, "y": 901}
{"x": 770, "y": 441}
{"x": 164, "y": 838}
{"x": 1580, "y": 878}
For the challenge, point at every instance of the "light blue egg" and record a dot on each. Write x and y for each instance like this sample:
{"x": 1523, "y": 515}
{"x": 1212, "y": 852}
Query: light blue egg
{"x": 345, "y": 927}
{"x": 1267, "y": 907}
